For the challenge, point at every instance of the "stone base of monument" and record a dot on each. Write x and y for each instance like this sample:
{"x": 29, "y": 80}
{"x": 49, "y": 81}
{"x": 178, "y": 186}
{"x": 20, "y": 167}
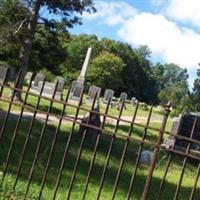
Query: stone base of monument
{"x": 90, "y": 119}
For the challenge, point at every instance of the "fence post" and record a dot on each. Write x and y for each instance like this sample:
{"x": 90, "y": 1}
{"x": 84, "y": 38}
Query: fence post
{"x": 156, "y": 151}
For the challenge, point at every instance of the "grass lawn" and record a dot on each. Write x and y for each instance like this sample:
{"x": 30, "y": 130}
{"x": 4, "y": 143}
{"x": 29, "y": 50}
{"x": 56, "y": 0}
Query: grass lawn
{"x": 6, "y": 191}
{"x": 44, "y": 104}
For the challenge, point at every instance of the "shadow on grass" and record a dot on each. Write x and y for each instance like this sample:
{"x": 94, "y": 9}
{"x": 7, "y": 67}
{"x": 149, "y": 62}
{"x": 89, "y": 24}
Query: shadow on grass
{"x": 86, "y": 157}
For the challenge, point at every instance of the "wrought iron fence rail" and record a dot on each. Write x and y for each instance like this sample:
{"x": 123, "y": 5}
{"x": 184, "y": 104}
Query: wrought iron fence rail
{"x": 98, "y": 131}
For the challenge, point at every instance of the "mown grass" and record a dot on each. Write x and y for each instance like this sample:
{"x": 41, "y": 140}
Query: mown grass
{"x": 6, "y": 191}
{"x": 44, "y": 105}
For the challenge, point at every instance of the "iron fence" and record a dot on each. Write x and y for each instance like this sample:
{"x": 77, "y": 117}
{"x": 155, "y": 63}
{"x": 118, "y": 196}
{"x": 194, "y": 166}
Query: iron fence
{"x": 48, "y": 151}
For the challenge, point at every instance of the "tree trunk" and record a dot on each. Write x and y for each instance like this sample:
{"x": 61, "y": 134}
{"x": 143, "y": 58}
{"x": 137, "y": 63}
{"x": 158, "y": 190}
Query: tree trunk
{"x": 27, "y": 45}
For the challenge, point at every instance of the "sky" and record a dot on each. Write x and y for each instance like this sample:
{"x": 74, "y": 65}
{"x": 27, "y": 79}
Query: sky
{"x": 170, "y": 28}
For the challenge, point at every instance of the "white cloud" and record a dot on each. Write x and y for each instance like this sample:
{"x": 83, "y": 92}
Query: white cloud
{"x": 185, "y": 11}
{"x": 111, "y": 13}
{"x": 165, "y": 38}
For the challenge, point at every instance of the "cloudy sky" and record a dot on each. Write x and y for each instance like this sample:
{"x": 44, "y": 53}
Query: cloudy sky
{"x": 171, "y": 28}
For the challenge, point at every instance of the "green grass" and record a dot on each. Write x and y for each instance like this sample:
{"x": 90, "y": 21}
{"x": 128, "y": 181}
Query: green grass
{"x": 57, "y": 107}
{"x": 6, "y": 191}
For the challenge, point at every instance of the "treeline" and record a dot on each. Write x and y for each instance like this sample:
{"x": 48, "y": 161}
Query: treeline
{"x": 115, "y": 65}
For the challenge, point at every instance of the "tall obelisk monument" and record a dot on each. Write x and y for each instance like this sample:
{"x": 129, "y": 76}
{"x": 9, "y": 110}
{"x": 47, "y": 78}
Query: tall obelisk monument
{"x": 81, "y": 78}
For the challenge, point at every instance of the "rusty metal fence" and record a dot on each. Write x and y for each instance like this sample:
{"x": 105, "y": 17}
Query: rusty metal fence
{"x": 43, "y": 152}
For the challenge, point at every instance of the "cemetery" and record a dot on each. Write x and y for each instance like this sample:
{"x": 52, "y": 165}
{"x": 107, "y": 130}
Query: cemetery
{"x": 107, "y": 110}
{"x": 105, "y": 123}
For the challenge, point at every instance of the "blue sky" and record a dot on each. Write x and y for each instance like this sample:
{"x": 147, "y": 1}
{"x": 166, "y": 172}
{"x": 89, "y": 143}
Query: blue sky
{"x": 171, "y": 28}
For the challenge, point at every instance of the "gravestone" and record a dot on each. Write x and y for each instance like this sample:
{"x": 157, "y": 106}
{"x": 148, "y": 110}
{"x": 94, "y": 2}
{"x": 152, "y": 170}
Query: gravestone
{"x": 91, "y": 119}
{"x": 186, "y": 125}
{"x": 11, "y": 73}
{"x": 122, "y": 100}
{"x": 145, "y": 157}
{"x": 3, "y": 74}
{"x": 108, "y": 95}
{"x": 133, "y": 101}
{"x": 90, "y": 90}
{"x": 28, "y": 76}
{"x": 76, "y": 90}
{"x": 94, "y": 90}
{"x": 38, "y": 78}
{"x": 77, "y": 93}
{"x": 61, "y": 83}
{"x": 48, "y": 89}
{"x": 183, "y": 126}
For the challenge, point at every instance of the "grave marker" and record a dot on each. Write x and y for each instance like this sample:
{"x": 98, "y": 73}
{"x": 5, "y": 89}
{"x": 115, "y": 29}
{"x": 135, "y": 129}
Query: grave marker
{"x": 122, "y": 100}
{"x": 108, "y": 95}
{"x": 3, "y": 74}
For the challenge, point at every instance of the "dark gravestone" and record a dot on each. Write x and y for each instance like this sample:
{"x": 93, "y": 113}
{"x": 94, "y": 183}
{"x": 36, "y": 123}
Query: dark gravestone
{"x": 185, "y": 129}
{"x": 77, "y": 93}
{"x": 3, "y": 74}
{"x": 122, "y": 100}
{"x": 108, "y": 95}
{"x": 91, "y": 119}
{"x": 11, "y": 73}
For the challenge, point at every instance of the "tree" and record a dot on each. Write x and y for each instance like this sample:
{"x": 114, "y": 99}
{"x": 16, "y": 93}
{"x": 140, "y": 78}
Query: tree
{"x": 105, "y": 71}
{"x": 172, "y": 85}
{"x": 135, "y": 76}
{"x": 59, "y": 15}
{"x": 195, "y": 96}
{"x": 76, "y": 48}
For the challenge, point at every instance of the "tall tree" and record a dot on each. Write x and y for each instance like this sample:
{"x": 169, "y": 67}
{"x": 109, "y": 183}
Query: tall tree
{"x": 172, "y": 85}
{"x": 76, "y": 47}
{"x": 105, "y": 71}
{"x": 195, "y": 97}
{"x": 55, "y": 14}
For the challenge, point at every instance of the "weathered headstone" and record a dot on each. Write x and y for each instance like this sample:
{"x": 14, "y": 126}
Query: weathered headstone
{"x": 94, "y": 91}
{"x": 108, "y": 95}
{"x": 90, "y": 90}
{"x": 60, "y": 85}
{"x": 76, "y": 90}
{"x": 133, "y": 101}
{"x": 76, "y": 93}
{"x": 122, "y": 100}
{"x": 38, "y": 78}
{"x": 48, "y": 89}
{"x": 3, "y": 74}
{"x": 145, "y": 157}
{"x": 28, "y": 77}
